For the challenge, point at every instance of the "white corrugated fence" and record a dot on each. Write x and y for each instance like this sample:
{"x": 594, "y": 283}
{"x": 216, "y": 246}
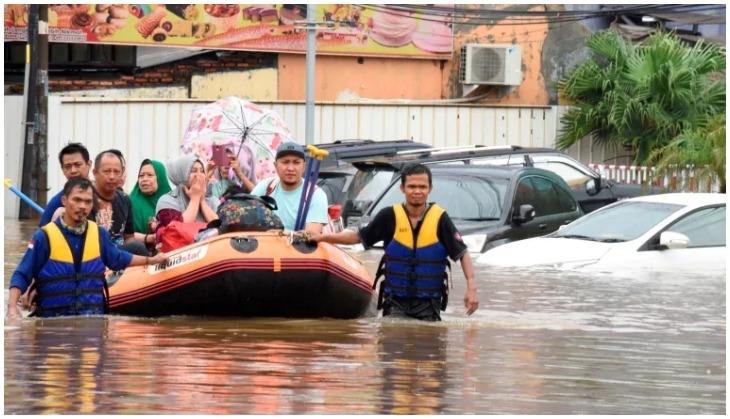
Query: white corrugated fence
{"x": 153, "y": 128}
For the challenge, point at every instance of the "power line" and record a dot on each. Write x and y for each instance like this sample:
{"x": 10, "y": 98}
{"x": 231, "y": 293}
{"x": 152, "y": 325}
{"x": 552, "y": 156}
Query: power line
{"x": 504, "y": 18}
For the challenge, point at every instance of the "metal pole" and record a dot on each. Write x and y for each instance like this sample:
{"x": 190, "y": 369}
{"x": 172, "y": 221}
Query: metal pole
{"x": 27, "y": 183}
{"x": 311, "y": 53}
{"x": 42, "y": 107}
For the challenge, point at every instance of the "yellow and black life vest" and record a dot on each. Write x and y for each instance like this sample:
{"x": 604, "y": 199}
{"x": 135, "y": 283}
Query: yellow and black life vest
{"x": 72, "y": 284}
{"x": 415, "y": 263}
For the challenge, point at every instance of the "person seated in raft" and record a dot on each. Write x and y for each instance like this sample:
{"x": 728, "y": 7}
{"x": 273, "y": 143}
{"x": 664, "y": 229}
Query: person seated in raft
{"x": 151, "y": 185}
{"x": 187, "y": 202}
{"x": 75, "y": 163}
{"x": 286, "y": 188}
{"x": 114, "y": 211}
{"x": 221, "y": 177}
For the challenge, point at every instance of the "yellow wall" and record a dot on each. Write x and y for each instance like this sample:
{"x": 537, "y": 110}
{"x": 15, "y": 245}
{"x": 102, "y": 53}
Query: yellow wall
{"x": 341, "y": 78}
{"x": 260, "y": 84}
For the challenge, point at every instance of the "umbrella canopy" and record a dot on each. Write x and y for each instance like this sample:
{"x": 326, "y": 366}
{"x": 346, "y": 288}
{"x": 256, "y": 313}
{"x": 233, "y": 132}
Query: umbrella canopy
{"x": 253, "y": 133}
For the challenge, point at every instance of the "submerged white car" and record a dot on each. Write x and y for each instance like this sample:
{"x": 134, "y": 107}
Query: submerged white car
{"x": 678, "y": 232}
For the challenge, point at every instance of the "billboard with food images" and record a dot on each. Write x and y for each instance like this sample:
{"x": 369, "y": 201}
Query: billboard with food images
{"x": 342, "y": 29}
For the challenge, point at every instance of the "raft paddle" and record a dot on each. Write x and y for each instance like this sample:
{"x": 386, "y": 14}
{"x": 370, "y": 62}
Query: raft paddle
{"x": 310, "y": 181}
{"x": 23, "y": 196}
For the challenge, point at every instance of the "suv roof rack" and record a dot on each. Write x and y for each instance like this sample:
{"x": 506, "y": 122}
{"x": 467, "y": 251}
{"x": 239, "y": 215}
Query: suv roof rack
{"x": 445, "y": 150}
{"x": 349, "y": 149}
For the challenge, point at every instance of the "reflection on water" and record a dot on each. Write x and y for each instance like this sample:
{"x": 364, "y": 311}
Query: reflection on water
{"x": 542, "y": 343}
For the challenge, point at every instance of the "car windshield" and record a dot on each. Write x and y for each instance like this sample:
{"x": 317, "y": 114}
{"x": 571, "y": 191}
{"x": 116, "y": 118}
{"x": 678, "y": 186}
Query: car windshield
{"x": 367, "y": 184}
{"x": 470, "y": 198}
{"x": 624, "y": 221}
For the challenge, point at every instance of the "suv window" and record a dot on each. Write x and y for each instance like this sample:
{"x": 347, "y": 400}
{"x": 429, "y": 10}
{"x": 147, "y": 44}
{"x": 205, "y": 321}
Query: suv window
{"x": 572, "y": 176}
{"x": 544, "y": 195}
{"x": 704, "y": 228}
{"x": 367, "y": 184}
{"x": 465, "y": 198}
{"x": 525, "y": 193}
{"x": 332, "y": 185}
{"x": 549, "y": 198}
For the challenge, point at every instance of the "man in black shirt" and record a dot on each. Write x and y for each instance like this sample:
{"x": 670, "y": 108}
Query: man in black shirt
{"x": 114, "y": 210}
{"x": 417, "y": 237}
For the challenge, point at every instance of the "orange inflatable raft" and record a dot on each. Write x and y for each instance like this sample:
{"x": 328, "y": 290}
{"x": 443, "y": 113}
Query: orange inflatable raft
{"x": 258, "y": 274}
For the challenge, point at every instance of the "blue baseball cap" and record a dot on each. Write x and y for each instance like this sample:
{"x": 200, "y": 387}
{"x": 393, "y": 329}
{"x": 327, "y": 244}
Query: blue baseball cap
{"x": 290, "y": 147}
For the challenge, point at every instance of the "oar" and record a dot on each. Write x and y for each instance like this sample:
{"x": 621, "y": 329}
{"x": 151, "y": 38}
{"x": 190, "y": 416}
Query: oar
{"x": 310, "y": 181}
{"x": 303, "y": 197}
{"x": 23, "y": 196}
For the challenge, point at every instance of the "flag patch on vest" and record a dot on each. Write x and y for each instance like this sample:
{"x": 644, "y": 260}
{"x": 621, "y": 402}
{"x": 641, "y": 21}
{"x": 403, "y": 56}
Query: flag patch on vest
{"x": 31, "y": 244}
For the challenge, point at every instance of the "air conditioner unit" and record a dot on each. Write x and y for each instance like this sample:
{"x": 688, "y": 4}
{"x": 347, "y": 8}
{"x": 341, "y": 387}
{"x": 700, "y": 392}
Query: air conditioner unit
{"x": 491, "y": 64}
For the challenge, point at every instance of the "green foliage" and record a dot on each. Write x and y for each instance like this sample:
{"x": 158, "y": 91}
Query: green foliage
{"x": 702, "y": 148}
{"x": 644, "y": 96}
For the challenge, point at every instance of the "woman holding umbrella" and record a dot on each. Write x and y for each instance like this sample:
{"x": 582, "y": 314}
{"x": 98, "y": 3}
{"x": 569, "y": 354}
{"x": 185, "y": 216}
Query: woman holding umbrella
{"x": 151, "y": 185}
{"x": 188, "y": 201}
{"x": 220, "y": 178}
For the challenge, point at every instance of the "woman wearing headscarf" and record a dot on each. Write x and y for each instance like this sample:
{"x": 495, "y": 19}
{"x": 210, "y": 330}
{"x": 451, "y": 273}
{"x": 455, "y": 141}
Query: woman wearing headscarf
{"x": 151, "y": 185}
{"x": 187, "y": 202}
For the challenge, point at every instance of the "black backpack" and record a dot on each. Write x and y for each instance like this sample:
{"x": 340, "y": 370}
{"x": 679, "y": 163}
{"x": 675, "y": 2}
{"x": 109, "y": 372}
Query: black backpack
{"x": 245, "y": 212}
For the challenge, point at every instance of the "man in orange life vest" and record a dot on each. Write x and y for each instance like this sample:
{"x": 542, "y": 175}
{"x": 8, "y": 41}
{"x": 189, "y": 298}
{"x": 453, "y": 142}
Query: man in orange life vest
{"x": 418, "y": 237}
{"x": 68, "y": 258}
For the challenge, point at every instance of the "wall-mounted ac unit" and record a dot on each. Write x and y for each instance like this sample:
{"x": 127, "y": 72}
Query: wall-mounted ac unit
{"x": 491, "y": 64}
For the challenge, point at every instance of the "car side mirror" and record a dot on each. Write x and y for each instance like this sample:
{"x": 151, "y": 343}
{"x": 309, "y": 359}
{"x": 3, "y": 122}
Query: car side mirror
{"x": 672, "y": 240}
{"x": 592, "y": 186}
{"x": 525, "y": 213}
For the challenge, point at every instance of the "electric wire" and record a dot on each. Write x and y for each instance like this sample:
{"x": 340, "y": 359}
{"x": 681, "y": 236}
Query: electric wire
{"x": 504, "y": 18}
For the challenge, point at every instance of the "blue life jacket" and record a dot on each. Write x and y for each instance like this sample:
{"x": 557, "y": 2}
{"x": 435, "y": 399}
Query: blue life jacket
{"x": 415, "y": 266}
{"x": 68, "y": 285}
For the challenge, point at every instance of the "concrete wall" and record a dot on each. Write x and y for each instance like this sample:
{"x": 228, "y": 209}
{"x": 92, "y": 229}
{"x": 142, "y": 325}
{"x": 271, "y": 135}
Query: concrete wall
{"x": 172, "y": 92}
{"x": 255, "y": 85}
{"x": 549, "y": 51}
{"x": 13, "y": 118}
{"x": 349, "y": 78}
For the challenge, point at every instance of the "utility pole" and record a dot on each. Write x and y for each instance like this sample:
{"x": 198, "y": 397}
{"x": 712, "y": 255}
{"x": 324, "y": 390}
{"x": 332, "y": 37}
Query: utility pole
{"x": 35, "y": 164}
{"x": 311, "y": 54}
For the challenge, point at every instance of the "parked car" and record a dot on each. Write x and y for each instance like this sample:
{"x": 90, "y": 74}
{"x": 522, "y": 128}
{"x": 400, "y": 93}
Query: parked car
{"x": 678, "y": 232}
{"x": 336, "y": 172}
{"x": 493, "y": 205}
{"x": 590, "y": 189}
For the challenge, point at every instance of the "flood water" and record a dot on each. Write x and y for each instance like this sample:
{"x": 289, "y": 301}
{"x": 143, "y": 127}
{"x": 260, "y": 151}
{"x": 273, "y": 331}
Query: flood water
{"x": 541, "y": 343}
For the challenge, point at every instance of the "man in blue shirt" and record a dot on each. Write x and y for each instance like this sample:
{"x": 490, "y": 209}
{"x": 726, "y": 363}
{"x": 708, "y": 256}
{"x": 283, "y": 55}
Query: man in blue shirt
{"x": 287, "y": 188}
{"x": 68, "y": 257}
{"x": 75, "y": 163}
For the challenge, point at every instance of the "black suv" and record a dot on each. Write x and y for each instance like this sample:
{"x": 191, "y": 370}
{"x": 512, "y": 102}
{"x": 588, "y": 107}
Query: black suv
{"x": 336, "y": 171}
{"x": 588, "y": 187}
{"x": 493, "y": 205}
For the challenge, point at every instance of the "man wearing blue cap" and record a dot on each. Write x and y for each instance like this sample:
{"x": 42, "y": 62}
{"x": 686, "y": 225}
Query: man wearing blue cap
{"x": 287, "y": 188}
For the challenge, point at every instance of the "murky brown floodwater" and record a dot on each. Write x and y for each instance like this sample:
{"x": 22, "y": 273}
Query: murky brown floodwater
{"x": 542, "y": 343}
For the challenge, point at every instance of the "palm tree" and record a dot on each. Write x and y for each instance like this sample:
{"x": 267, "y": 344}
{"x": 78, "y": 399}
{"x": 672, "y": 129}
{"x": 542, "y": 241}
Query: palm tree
{"x": 703, "y": 149}
{"x": 641, "y": 96}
